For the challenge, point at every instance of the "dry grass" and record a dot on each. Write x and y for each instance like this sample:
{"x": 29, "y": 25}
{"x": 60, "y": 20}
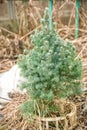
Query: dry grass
{"x": 12, "y": 118}
{"x": 28, "y": 18}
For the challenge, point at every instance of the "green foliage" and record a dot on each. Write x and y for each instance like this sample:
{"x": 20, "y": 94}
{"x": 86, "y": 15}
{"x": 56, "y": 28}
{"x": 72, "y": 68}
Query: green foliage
{"x": 51, "y": 69}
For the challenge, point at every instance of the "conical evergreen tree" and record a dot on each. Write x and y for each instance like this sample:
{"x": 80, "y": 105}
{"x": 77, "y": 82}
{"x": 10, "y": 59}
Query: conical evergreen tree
{"x": 51, "y": 70}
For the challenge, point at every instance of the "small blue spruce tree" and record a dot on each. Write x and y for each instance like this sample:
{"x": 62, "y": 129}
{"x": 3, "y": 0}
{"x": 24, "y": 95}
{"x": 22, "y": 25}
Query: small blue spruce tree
{"x": 51, "y": 70}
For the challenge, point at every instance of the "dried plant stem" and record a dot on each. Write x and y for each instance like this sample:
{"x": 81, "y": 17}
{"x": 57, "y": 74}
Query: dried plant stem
{"x": 29, "y": 33}
{"x": 2, "y": 28}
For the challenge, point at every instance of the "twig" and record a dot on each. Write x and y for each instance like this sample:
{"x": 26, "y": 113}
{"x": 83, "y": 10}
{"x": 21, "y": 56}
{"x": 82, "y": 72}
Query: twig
{"x": 62, "y": 5}
{"x": 7, "y": 30}
{"x": 5, "y": 98}
{"x": 81, "y": 51}
{"x": 29, "y": 33}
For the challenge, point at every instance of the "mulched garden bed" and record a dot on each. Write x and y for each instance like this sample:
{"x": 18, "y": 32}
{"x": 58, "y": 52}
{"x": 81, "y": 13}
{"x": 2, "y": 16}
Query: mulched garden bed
{"x": 12, "y": 119}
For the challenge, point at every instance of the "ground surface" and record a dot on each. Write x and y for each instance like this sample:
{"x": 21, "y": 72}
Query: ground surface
{"x": 12, "y": 119}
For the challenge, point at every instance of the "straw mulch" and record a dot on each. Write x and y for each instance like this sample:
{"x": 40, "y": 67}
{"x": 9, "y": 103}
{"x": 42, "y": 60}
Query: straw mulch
{"x": 12, "y": 119}
{"x": 81, "y": 103}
